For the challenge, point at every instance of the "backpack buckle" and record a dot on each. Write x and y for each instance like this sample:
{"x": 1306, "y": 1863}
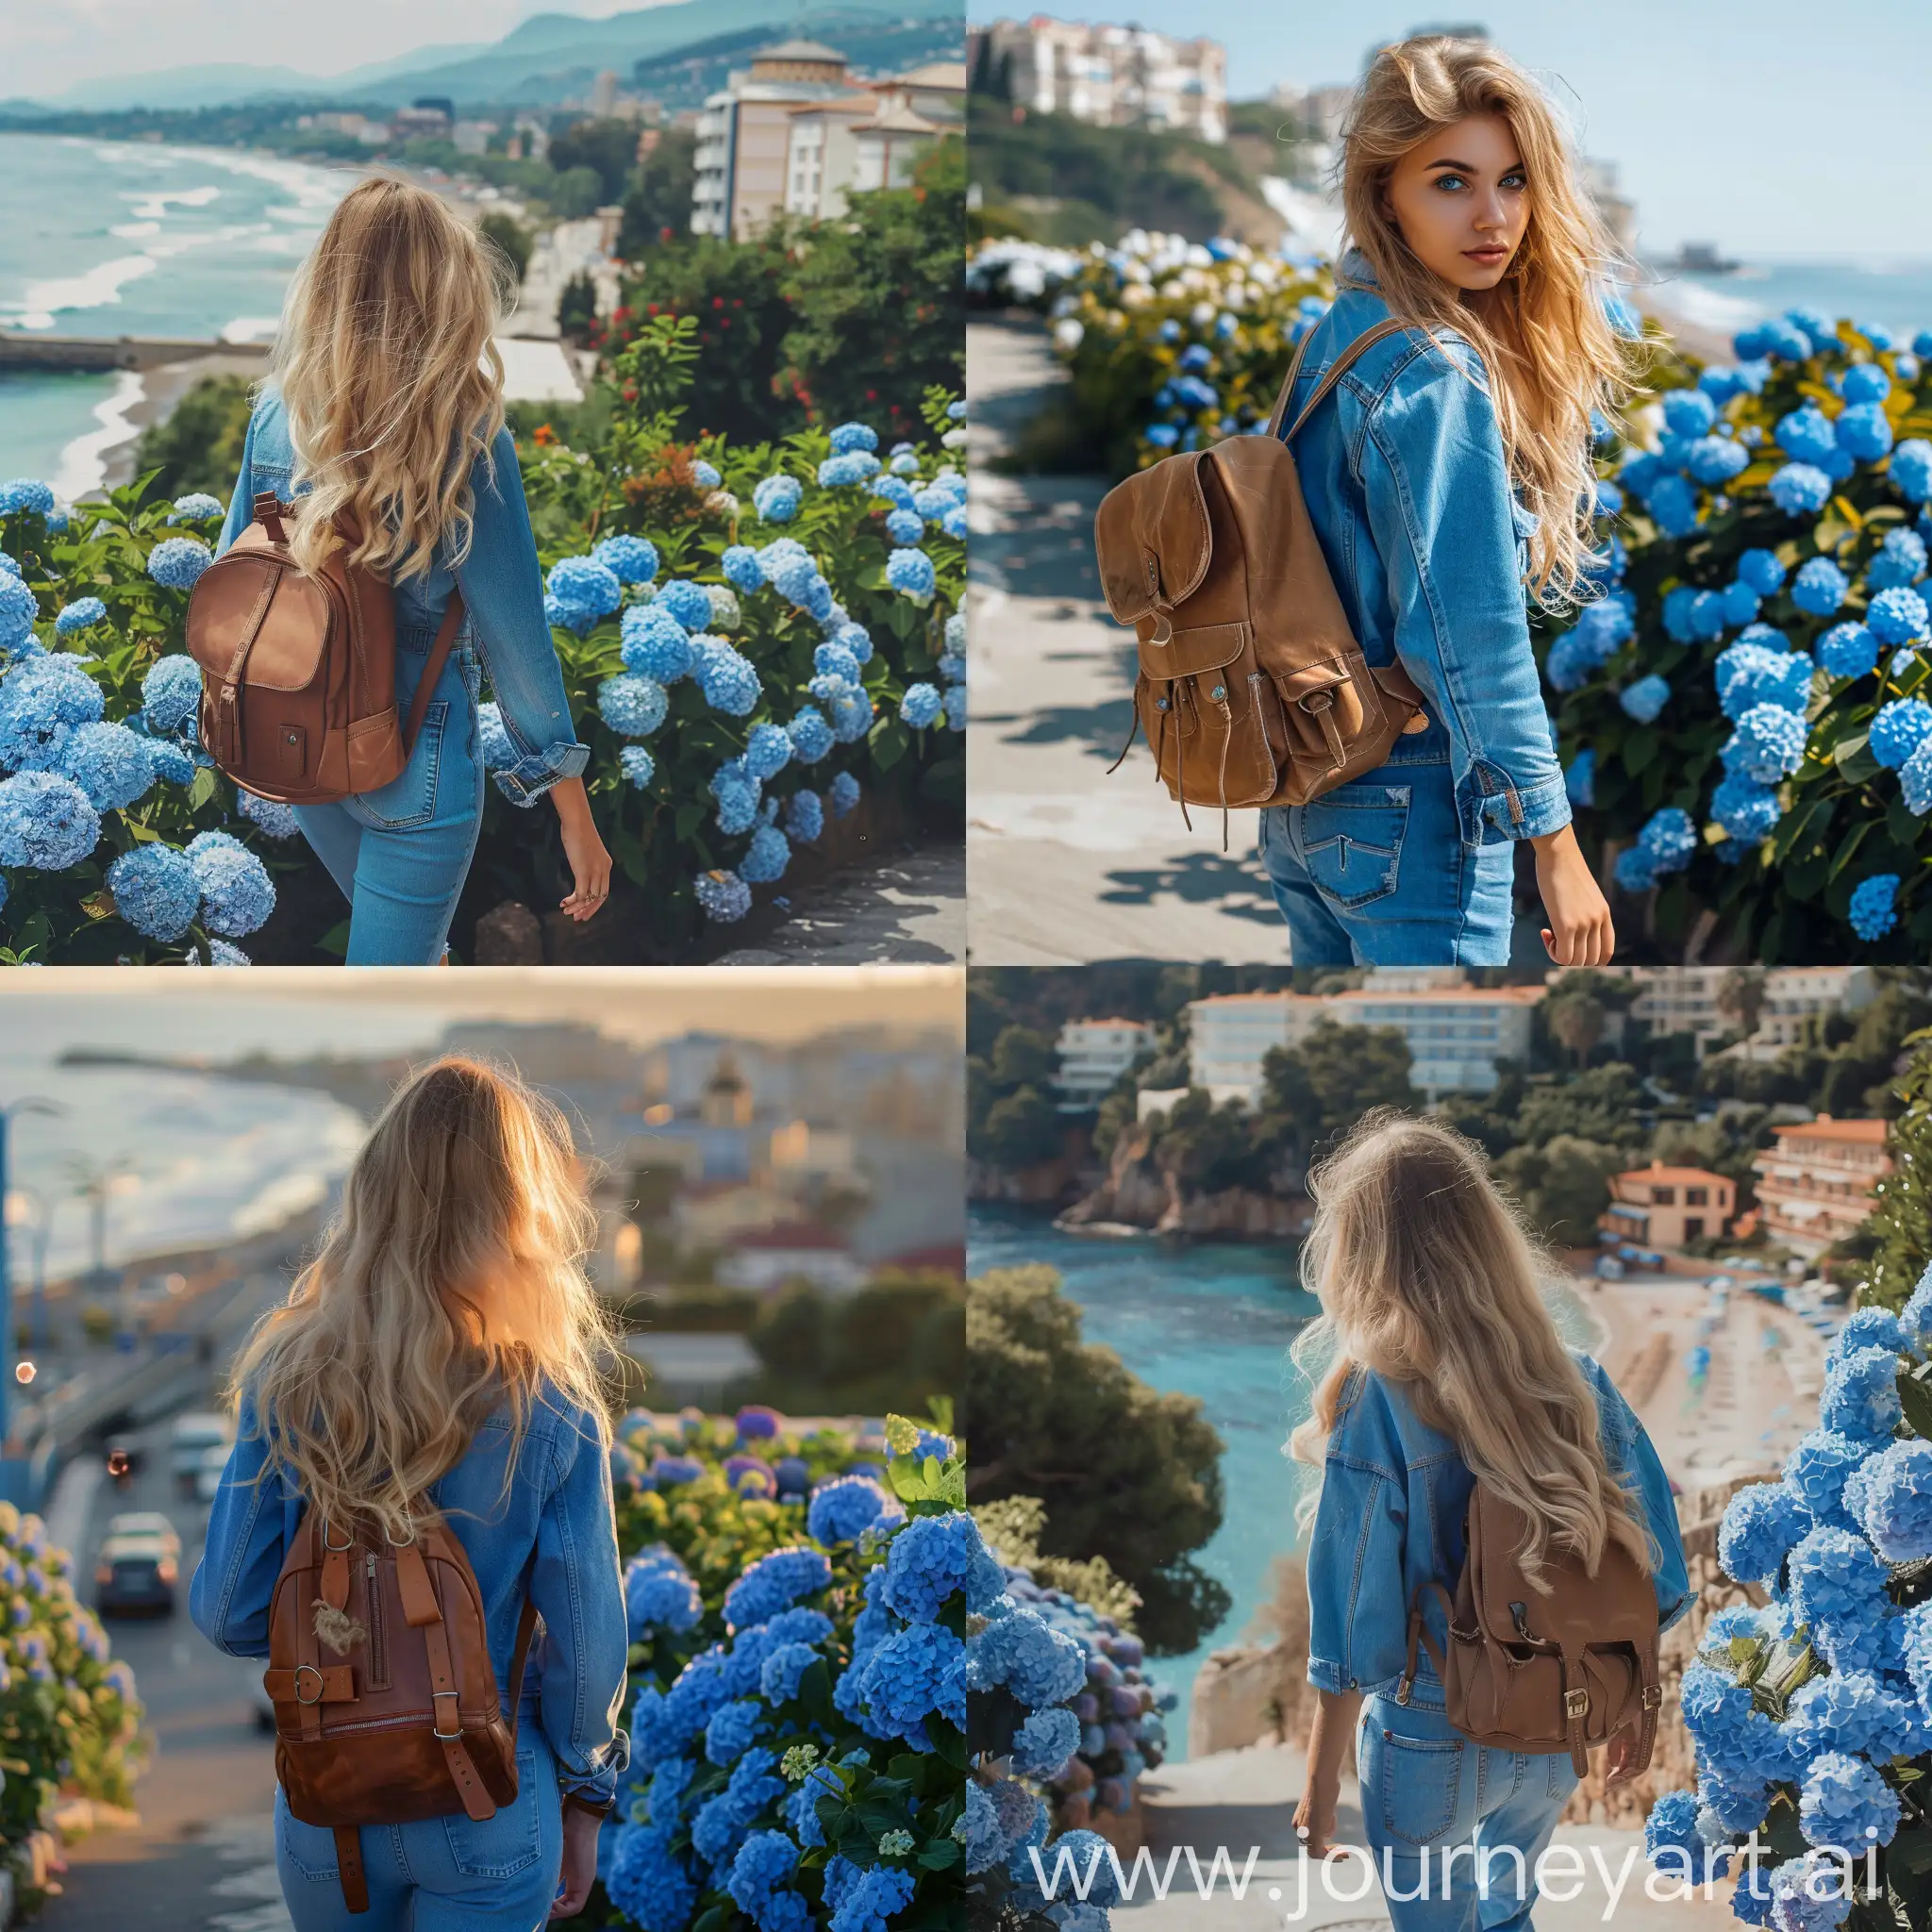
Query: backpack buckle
{"x": 1403, "y": 1688}
{"x": 1576, "y": 1704}
{"x": 320, "y": 1683}
{"x": 1163, "y": 628}
{"x": 436, "y": 1698}
{"x": 1653, "y": 1696}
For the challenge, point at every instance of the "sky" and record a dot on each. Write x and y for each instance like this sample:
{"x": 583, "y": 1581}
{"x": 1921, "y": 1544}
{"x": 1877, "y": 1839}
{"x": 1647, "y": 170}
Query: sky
{"x": 1779, "y": 130}
{"x": 44, "y": 48}
{"x": 294, "y": 1011}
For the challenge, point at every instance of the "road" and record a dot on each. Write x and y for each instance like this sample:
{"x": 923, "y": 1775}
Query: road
{"x": 203, "y": 1858}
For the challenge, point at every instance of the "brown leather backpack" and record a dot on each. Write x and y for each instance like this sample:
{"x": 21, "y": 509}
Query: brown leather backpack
{"x": 1540, "y": 1673}
{"x": 299, "y": 699}
{"x": 1252, "y": 690}
{"x": 386, "y": 1704}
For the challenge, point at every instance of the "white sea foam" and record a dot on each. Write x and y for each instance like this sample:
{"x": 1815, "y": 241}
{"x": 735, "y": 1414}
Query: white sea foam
{"x": 80, "y": 468}
{"x": 251, "y": 329}
{"x": 96, "y": 287}
{"x": 152, "y": 204}
{"x": 135, "y": 231}
{"x": 1705, "y": 308}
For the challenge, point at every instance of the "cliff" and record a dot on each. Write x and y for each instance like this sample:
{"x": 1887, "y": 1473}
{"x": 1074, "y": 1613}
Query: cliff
{"x": 1138, "y": 1193}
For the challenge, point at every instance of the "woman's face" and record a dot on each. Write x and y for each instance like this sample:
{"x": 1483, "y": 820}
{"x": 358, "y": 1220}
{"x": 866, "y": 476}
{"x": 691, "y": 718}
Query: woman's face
{"x": 1460, "y": 199}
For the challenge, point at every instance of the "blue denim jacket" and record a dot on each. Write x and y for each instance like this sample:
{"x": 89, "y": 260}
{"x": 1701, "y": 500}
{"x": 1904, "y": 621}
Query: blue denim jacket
{"x": 554, "y": 1539}
{"x": 1393, "y": 1493}
{"x": 503, "y": 595}
{"x": 1408, "y": 489}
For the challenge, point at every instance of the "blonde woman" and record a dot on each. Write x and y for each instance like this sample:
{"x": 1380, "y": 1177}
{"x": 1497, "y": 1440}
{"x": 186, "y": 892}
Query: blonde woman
{"x": 1437, "y": 1364}
{"x": 445, "y": 1342}
{"x": 1449, "y": 467}
{"x": 385, "y": 400}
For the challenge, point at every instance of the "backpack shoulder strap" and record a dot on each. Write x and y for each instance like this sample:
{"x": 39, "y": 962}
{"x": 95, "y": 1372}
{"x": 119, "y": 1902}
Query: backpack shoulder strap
{"x": 1391, "y": 325}
{"x": 432, "y": 669}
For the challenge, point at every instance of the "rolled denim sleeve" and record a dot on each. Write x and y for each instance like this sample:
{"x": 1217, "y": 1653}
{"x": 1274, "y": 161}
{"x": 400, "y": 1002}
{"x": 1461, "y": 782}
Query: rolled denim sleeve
{"x": 503, "y": 586}
{"x": 578, "y": 1592}
{"x": 247, "y": 1537}
{"x": 1634, "y": 1457}
{"x": 1357, "y": 1623}
{"x": 1439, "y": 499}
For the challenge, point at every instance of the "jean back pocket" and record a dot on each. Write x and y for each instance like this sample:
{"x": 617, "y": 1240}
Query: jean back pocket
{"x": 1351, "y": 841}
{"x": 510, "y": 1843}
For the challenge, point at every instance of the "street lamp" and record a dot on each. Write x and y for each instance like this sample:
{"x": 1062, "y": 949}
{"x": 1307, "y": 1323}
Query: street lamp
{"x": 31, "y": 1103}
{"x": 29, "y": 1207}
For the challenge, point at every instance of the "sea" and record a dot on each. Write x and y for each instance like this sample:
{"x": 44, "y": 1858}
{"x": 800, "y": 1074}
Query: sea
{"x": 1213, "y": 1320}
{"x": 104, "y": 238}
{"x": 1898, "y": 295}
{"x": 191, "y": 1158}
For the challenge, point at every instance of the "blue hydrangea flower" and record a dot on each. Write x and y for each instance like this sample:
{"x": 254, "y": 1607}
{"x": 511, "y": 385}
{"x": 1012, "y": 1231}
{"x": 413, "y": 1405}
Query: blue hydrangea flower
{"x": 171, "y": 692}
{"x": 1848, "y": 650}
{"x": 954, "y": 522}
{"x": 1768, "y": 744}
{"x": 1673, "y": 1826}
{"x": 655, "y": 645}
{"x": 638, "y": 766}
{"x": 177, "y": 562}
{"x": 1750, "y": 674}
{"x": 852, "y": 713}
{"x": 1761, "y": 570}
{"x": 1669, "y": 837}
{"x": 1579, "y": 778}
{"x": 1875, "y": 906}
{"x": 1713, "y": 461}
{"x": 1806, "y": 435}
{"x": 851, "y": 436}
{"x": 25, "y": 494}
{"x": 197, "y": 507}
{"x": 686, "y": 601}
{"x": 741, "y": 569}
{"x": 46, "y": 821}
{"x": 1894, "y": 1501}
{"x": 842, "y": 795}
{"x": 1673, "y": 504}
{"x": 1911, "y": 469}
{"x": 727, "y": 678}
{"x": 632, "y": 706}
{"x": 777, "y": 499}
{"x": 1742, "y": 603}
{"x": 775, "y": 1582}
{"x": 766, "y": 858}
{"x": 113, "y": 765}
{"x": 1762, "y": 1526}
{"x": 920, "y": 707}
{"x": 905, "y": 527}
{"x": 1645, "y": 699}
{"x": 834, "y": 660}
{"x": 19, "y": 610}
{"x": 1799, "y": 488}
{"x": 584, "y": 591}
{"x": 237, "y": 894}
{"x": 1844, "y": 1800}
{"x": 845, "y": 1505}
{"x": 722, "y": 896}
{"x": 43, "y": 699}
{"x": 1746, "y": 809}
{"x": 1899, "y": 729}
{"x": 1688, "y": 412}
{"x": 910, "y": 573}
{"x": 1820, "y": 587}
{"x": 78, "y": 615}
{"x": 1896, "y": 616}
{"x": 842, "y": 472}
{"x": 811, "y": 736}
{"x": 629, "y": 559}
{"x": 1864, "y": 431}
{"x": 1861, "y": 1397}
{"x": 767, "y": 751}
{"x": 1818, "y": 1469}
{"x": 1044, "y": 1741}
{"x": 155, "y": 891}
{"x": 805, "y": 818}
{"x": 173, "y": 765}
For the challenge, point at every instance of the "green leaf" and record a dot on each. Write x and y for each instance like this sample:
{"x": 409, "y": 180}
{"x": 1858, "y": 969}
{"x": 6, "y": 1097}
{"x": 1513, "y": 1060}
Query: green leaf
{"x": 1915, "y": 1397}
{"x": 1639, "y": 748}
{"x": 1848, "y": 845}
{"x": 204, "y": 788}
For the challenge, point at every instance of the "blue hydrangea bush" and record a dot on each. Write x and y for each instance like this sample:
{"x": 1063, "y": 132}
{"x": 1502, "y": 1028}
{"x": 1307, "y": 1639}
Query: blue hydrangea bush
{"x": 1063, "y": 1722}
{"x": 797, "y": 1706}
{"x": 1741, "y": 709}
{"x": 753, "y": 642}
{"x": 1811, "y": 1716}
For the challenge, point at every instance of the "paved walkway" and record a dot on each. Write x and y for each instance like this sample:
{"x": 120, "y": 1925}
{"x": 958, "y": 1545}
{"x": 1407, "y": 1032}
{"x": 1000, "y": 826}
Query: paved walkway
{"x": 908, "y": 909}
{"x": 1068, "y": 864}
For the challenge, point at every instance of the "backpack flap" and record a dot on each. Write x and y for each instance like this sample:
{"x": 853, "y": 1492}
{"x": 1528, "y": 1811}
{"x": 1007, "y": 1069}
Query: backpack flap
{"x": 1186, "y": 653}
{"x": 1153, "y": 540}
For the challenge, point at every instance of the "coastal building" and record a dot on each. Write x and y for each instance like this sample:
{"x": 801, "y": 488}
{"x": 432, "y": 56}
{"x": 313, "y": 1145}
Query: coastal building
{"x": 744, "y": 134}
{"x": 1093, "y": 1054}
{"x": 472, "y": 137}
{"x": 529, "y": 139}
{"x": 772, "y": 1258}
{"x": 1117, "y": 76}
{"x": 871, "y": 139}
{"x": 358, "y": 126}
{"x": 429, "y": 118}
{"x": 1659, "y": 1207}
{"x": 1691, "y": 999}
{"x": 1456, "y": 1033}
{"x": 1814, "y": 1187}
{"x": 604, "y": 94}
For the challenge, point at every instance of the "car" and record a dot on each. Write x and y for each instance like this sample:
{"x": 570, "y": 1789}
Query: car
{"x": 188, "y": 1441}
{"x": 135, "y": 1574}
{"x": 146, "y": 1522}
{"x": 207, "y": 1475}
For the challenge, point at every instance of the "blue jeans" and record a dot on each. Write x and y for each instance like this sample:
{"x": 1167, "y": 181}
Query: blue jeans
{"x": 1375, "y": 874}
{"x": 437, "y": 1874}
{"x": 1426, "y": 1787}
{"x": 401, "y": 854}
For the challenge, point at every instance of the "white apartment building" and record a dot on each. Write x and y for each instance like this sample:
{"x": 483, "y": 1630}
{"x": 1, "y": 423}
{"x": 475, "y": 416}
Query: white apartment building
{"x": 1684, "y": 999}
{"x": 1456, "y": 1033}
{"x": 1093, "y": 1054}
{"x": 1814, "y": 1187}
{"x": 1119, "y": 76}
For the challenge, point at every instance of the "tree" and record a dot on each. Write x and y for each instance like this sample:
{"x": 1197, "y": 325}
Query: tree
{"x": 890, "y": 1345}
{"x": 1314, "y": 1091}
{"x": 1124, "y": 1472}
{"x": 1020, "y": 1055}
{"x": 1604, "y": 1104}
{"x": 607, "y": 148}
{"x": 880, "y": 306}
{"x": 1021, "y": 1128}
{"x": 656, "y": 207}
{"x": 510, "y": 239}
{"x": 1900, "y": 1223}
{"x": 575, "y": 193}
{"x": 1563, "y": 1185}
{"x": 1576, "y": 1022}
{"x": 1740, "y": 998}
{"x": 577, "y": 308}
{"x": 198, "y": 445}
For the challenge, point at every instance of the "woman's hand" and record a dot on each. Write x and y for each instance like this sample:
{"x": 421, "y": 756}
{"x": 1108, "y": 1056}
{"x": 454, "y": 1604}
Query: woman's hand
{"x": 1315, "y": 1815}
{"x": 579, "y": 1861}
{"x": 590, "y": 864}
{"x": 1579, "y": 932}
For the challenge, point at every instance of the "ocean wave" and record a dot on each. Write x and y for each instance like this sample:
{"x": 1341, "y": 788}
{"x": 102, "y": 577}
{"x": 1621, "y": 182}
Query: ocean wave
{"x": 96, "y": 287}
{"x": 152, "y": 205}
{"x": 135, "y": 231}
{"x": 251, "y": 329}
{"x": 80, "y": 468}
{"x": 1705, "y": 308}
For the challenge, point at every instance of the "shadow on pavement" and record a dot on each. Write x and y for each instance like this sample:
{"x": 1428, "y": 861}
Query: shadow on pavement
{"x": 1201, "y": 878}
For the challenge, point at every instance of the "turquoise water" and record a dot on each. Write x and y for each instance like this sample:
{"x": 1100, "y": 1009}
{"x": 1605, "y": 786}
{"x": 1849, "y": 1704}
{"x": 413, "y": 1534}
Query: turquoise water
{"x": 1900, "y": 297}
{"x": 101, "y": 238}
{"x": 1213, "y": 1320}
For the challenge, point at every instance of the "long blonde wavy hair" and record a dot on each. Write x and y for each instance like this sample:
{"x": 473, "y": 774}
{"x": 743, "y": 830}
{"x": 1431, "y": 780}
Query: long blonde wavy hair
{"x": 1550, "y": 352}
{"x": 451, "y": 1279}
{"x": 1427, "y": 1278}
{"x": 389, "y": 379}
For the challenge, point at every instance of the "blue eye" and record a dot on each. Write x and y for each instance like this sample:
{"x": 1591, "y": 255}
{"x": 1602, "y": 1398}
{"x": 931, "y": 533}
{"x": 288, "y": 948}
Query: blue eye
{"x": 1449, "y": 181}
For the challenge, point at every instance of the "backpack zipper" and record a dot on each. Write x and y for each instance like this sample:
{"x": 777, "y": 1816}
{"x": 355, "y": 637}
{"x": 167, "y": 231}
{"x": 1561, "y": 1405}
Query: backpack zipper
{"x": 378, "y": 1667}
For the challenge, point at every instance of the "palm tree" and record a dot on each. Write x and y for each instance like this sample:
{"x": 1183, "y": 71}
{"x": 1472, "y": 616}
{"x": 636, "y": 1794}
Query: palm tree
{"x": 1577, "y": 1024}
{"x": 1740, "y": 998}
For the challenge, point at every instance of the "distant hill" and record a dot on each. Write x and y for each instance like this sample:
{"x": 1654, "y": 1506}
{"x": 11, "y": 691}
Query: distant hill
{"x": 547, "y": 57}
{"x": 872, "y": 43}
